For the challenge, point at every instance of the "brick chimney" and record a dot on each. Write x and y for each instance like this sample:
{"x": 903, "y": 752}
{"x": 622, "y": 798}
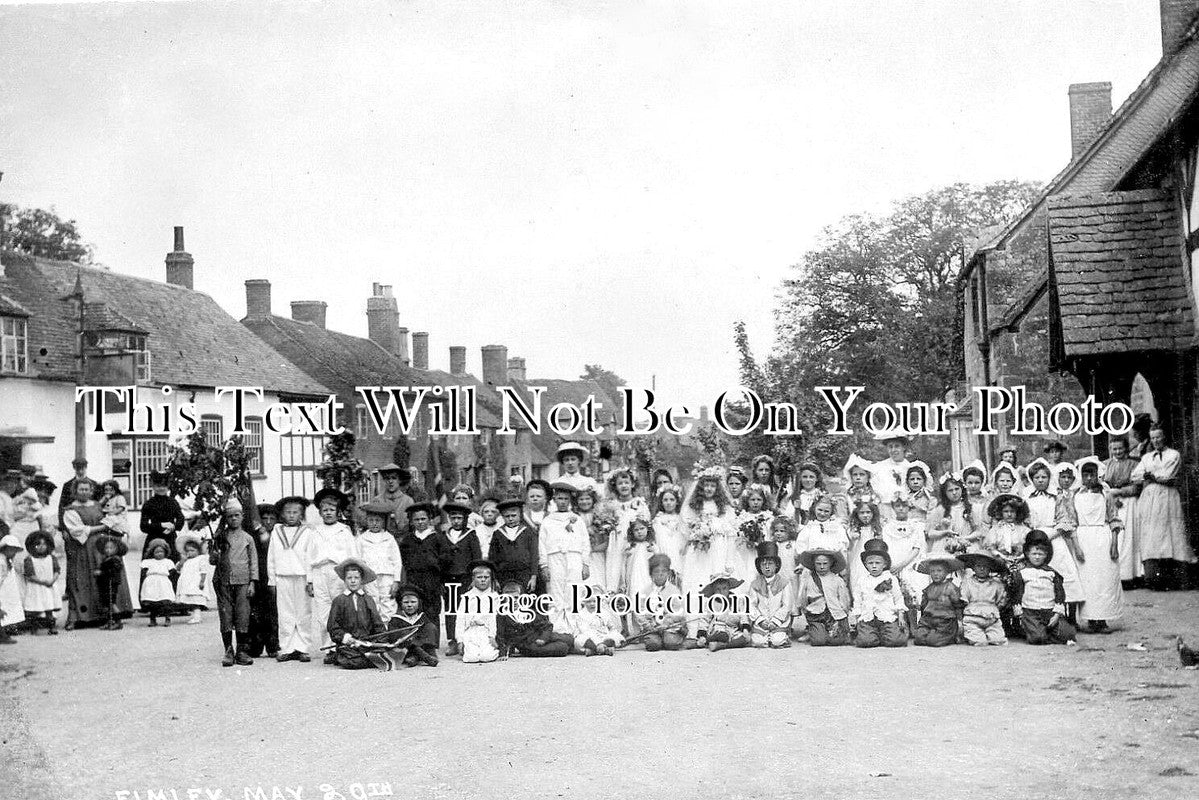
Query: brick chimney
{"x": 383, "y": 322}
{"x": 516, "y": 369}
{"x": 258, "y": 298}
{"x": 309, "y": 311}
{"x": 1090, "y": 109}
{"x": 420, "y": 350}
{"x": 457, "y": 360}
{"x": 180, "y": 264}
{"x": 1177, "y": 17}
{"x": 495, "y": 364}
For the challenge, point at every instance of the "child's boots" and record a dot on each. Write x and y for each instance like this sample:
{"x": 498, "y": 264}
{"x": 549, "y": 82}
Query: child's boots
{"x": 242, "y": 659}
{"x": 228, "y": 660}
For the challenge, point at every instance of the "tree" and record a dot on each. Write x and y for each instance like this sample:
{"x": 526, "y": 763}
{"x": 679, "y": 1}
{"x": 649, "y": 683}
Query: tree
{"x": 210, "y": 476}
{"x": 44, "y": 234}
{"x": 609, "y": 381}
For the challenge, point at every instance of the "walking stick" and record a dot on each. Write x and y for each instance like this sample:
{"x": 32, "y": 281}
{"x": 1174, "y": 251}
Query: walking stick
{"x": 406, "y": 633}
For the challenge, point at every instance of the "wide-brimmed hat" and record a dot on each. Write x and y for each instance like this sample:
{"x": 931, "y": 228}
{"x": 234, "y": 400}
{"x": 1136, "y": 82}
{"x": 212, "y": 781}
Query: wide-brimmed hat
{"x": 184, "y": 539}
{"x": 412, "y": 589}
{"x": 101, "y": 541}
{"x": 157, "y": 542}
{"x": 428, "y": 508}
{"x": 510, "y": 502}
{"x": 723, "y": 575}
{"x": 328, "y": 493}
{"x": 972, "y": 560}
{"x": 456, "y": 508}
{"x": 480, "y": 562}
{"x": 995, "y": 507}
{"x": 1038, "y": 538}
{"x": 8, "y": 540}
{"x": 368, "y": 574}
{"x": 893, "y": 434}
{"x": 43, "y": 484}
{"x": 37, "y": 536}
{"x": 768, "y": 551}
{"x": 564, "y": 486}
{"x": 377, "y": 509}
{"x": 393, "y": 467}
{"x": 567, "y": 448}
{"x": 289, "y": 500}
{"x": 808, "y": 559}
{"x": 951, "y": 562}
{"x": 876, "y": 547}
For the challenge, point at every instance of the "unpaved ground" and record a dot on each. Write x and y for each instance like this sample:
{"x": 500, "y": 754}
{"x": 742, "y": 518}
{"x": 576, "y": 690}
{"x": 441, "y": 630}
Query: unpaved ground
{"x": 91, "y": 713}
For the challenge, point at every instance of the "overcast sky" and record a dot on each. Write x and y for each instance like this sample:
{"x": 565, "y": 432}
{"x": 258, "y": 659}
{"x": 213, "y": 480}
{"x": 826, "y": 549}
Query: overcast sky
{"x": 603, "y": 182}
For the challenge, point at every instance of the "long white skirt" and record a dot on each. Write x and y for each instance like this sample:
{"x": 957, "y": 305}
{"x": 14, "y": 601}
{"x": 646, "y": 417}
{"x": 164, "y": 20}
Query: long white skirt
{"x": 1161, "y": 525}
{"x": 1099, "y": 575}
{"x": 1063, "y": 561}
{"x": 1131, "y": 565}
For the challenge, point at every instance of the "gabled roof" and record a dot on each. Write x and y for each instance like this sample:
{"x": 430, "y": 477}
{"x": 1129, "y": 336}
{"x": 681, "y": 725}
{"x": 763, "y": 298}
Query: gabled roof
{"x": 192, "y": 341}
{"x": 1140, "y": 121}
{"x": 1118, "y": 273}
{"x": 99, "y": 317}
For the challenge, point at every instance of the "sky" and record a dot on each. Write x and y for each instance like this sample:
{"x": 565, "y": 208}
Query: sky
{"x": 605, "y": 182}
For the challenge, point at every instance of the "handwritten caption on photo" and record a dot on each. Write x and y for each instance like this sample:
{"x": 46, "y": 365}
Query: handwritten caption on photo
{"x": 325, "y": 791}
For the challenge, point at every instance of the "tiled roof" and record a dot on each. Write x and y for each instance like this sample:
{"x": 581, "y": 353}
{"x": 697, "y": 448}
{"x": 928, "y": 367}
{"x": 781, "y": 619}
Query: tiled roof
{"x": 1135, "y": 126}
{"x": 99, "y": 317}
{"x": 1029, "y": 294}
{"x": 1118, "y": 272}
{"x": 11, "y": 308}
{"x": 192, "y": 341}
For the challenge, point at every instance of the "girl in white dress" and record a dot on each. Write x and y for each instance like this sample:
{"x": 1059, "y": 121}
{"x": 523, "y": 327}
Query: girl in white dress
{"x": 1098, "y": 537}
{"x": 951, "y": 525}
{"x": 1053, "y": 514}
{"x": 194, "y": 579}
{"x": 669, "y": 532}
{"x": 157, "y": 595}
{"x": 41, "y": 572}
{"x": 855, "y": 477}
{"x": 763, "y": 472}
{"x": 710, "y": 522}
{"x": 639, "y": 546}
{"x": 811, "y": 486}
{"x": 1159, "y": 510}
{"x": 918, "y": 485}
{"x": 864, "y": 524}
{"x": 622, "y": 488}
{"x": 824, "y": 531}
{"x": 753, "y": 528}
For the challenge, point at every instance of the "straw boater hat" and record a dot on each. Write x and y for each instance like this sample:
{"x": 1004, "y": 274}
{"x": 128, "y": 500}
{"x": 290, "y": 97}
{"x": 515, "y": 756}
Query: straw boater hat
{"x": 951, "y": 562}
{"x": 368, "y": 574}
{"x": 717, "y": 577}
{"x": 736, "y": 472}
{"x": 510, "y": 502}
{"x": 101, "y": 540}
{"x": 876, "y": 547}
{"x": 568, "y": 448}
{"x": 808, "y": 559}
{"x": 394, "y": 468}
{"x": 8, "y": 540}
{"x": 329, "y": 493}
{"x": 1037, "y": 538}
{"x": 37, "y": 536}
{"x": 286, "y": 501}
{"x": 768, "y": 551}
{"x": 972, "y": 560}
{"x": 564, "y": 486}
{"x": 158, "y": 543}
{"x": 892, "y": 435}
{"x": 185, "y": 539}
{"x": 995, "y": 507}
{"x": 377, "y": 509}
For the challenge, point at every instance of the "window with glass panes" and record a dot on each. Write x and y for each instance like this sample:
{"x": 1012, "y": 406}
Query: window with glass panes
{"x": 14, "y": 345}
{"x": 132, "y": 462}
{"x": 214, "y": 430}
{"x": 252, "y": 441}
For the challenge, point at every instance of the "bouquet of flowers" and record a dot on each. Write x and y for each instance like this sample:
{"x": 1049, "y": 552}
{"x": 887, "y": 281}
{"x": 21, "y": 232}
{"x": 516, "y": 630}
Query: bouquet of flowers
{"x": 700, "y": 534}
{"x": 751, "y": 534}
{"x": 604, "y": 521}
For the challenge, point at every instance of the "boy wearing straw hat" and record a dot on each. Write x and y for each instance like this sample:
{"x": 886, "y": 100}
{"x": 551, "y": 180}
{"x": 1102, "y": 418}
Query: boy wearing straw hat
{"x": 984, "y": 594}
{"x": 878, "y": 600}
{"x": 354, "y": 618}
{"x": 823, "y": 597}
{"x": 940, "y": 603}
{"x": 771, "y": 600}
{"x": 723, "y": 626}
{"x": 235, "y": 559}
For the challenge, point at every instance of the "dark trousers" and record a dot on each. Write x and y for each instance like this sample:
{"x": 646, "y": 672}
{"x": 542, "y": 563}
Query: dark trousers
{"x": 233, "y": 607}
{"x": 451, "y": 618}
{"x": 264, "y": 622}
{"x": 431, "y": 587}
{"x": 824, "y": 631}
{"x": 556, "y": 645}
{"x": 875, "y": 633}
{"x": 1037, "y": 630}
{"x": 667, "y": 640}
{"x": 933, "y": 632}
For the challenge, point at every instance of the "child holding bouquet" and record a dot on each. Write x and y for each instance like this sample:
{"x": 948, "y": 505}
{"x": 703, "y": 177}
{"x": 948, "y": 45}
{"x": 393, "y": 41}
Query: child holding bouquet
{"x": 752, "y": 529}
{"x": 710, "y": 520}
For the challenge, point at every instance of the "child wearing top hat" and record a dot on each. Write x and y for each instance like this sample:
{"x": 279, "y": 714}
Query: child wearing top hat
{"x": 382, "y": 554}
{"x": 331, "y": 543}
{"x": 41, "y": 572}
{"x": 421, "y": 647}
{"x": 1039, "y": 595}
{"x": 662, "y": 629}
{"x": 459, "y": 549}
{"x": 513, "y": 548}
{"x": 235, "y": 560}
{"x": 983, "y": 594}
{"x": 723, "y": 626}
{"x": 823, "y": 597}
{"x": 288, "y": 562}
{"x": 354, "y": 623}
{"x": 422, "y": 556}
{"x": 940, "y": 603}
{"x": 534, "y": 636}
{"x": 878, "y": 600}
{"x": 475, "y": 616}
{"x": 771, "y": 599}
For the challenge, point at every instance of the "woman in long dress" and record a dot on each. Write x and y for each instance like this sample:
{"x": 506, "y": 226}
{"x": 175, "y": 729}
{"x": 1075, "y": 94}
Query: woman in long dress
{"x": 1118, "y": 477}
{"x": 83, "y": 528}
{"x": 1097, "y": 536}
{"x": 1159, "y": 510}
{"x": 709, "y": 519}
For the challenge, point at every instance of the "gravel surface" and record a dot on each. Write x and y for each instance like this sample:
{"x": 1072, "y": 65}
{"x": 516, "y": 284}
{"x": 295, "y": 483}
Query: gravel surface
{"x": 90, "y": 714}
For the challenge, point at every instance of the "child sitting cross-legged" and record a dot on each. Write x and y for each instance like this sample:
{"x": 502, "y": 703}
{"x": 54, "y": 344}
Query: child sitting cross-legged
{"x": 660, "y": 628}
{"x": 940, "y": 603}
{"x": 984, "y": 595}
{"x": 772, "y": 600}
{"x": 823, "y": 597}
{"x": 593, "y": 634}
{"x": 420, "y": 646}
{"x": 722, "y": 626}
{"x": 528, "y": 633}
{"x": 360, "y": 639}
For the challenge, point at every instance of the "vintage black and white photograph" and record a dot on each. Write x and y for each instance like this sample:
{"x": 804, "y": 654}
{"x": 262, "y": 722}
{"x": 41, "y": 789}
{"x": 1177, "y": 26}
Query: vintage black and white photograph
{"x": 551, "y": 399}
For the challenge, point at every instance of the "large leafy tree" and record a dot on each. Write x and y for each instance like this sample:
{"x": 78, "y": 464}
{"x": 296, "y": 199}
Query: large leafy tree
{"x": 43, "y": 233}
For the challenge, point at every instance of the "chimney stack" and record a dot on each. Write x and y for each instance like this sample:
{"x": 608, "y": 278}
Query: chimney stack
{"x": 309, "y": 311}
{"x": 180, "y": 264}
{"x": 383, "y": 322}
{"x": 420, "y": 350}
{"x": 516, "y": 369}
{"x": 457, "y": 360}
{"x": 1090, "y": 109}
{"x": 1177, "y": 17}
{"x": 258, "y": 298}
{"x": 495, "y": 364}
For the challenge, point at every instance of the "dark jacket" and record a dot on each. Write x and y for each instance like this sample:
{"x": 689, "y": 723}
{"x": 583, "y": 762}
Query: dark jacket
{"x": 359, "y": 622}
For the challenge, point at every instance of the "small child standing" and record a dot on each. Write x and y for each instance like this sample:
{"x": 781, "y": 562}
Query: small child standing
{"x": 110, "y": 577}
{"x": 771, "y": 600}
{"x": 460, "y": 549}
{"x": 513, "y": 548}
{"x": 288, "y": 562}
{"x": 11, "y": 613}
{"x": 905, "y": 538}
{"x": 940, "y": 604}
{"x": 984, "y": 595}
{"x": 878, "y": 601}
{"x": 727, "y": 628}
{"x": 264, "y": 615}
{"x": 158, "y": 594}
{"x": 194, "y": 579}
{"x": 670, "y": 536}
{"x": 422, "y": 553}
{"x": 235, "y": 559}
{"x": 1039, "y": 596}
{"x": 41, "y": 573}
{"x": 476, "y": 616}
{"x": 382, "y": 554}
{"x": 639, "y": 547}
{"x": 331, "y": 543}
{"x": 823, "y": 597}
{"x": 864, "y": 525}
